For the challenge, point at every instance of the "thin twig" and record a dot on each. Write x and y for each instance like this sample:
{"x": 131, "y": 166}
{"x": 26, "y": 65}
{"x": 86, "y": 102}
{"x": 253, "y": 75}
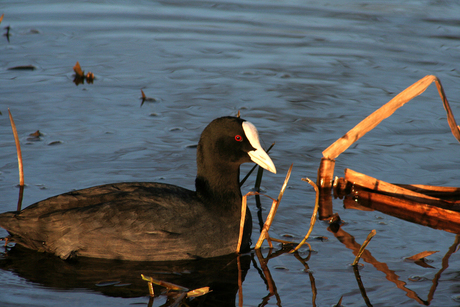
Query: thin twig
{"x": 243, "y": 216}
{"x": 363, "y": 246}
{"x": 244, "y": 205}
{"x": 271, "y": 215}
{"x": 313, "y": 216}
{"x": 18, "y": 149}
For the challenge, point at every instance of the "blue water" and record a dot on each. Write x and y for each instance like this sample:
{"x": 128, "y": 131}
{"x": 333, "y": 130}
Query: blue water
{"x": 304, "y": 72}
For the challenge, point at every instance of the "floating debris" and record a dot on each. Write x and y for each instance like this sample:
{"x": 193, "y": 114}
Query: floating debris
{"x": 420, "y": 259}
{"x": 80, "y": 77}
{"x": 173, "y": 287}
{"x": 421, "y": 255}
{"x": 90, "y": 77}
{"x": 23, "y": 67}
{"x": 54, "y": 143}
{"x": 34, "y": 31}
{"x": 7, "y": 34}
{"x": 339, "y": 303}
{"x": 35, "y": 136}
{"x": 145, "y": 98}
{"x": 77, "y": 69}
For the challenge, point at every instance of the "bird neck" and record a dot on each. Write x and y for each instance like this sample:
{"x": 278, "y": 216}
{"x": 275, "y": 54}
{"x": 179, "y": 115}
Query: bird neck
{"x": 219, "y": 187}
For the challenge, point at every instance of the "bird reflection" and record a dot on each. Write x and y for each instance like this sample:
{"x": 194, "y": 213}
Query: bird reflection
{"x": 123, "y": 278}
{"x": 223, "y": 275}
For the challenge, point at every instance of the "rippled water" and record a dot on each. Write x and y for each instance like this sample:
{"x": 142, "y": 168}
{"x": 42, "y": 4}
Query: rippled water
{"x": 304, "y": 72}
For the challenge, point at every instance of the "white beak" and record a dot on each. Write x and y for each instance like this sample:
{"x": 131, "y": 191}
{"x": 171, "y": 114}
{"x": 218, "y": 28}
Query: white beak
{"x": 258, "y": 155}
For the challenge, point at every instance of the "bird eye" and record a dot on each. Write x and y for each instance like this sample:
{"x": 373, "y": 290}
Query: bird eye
{"x": 238, "y": 138}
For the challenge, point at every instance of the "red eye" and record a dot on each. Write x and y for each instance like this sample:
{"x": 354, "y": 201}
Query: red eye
{"x": 238, "y": 138}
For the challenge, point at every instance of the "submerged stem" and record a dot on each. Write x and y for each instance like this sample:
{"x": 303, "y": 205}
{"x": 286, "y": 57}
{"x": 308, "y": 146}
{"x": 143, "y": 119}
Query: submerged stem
{"x": 313, "y": 216}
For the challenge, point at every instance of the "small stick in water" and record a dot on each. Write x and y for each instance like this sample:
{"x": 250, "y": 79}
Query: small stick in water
{"x": 271, "y": 215}
{"x": 313, "y": 216}
{"x": 363, "y": 247}
{"x": 20, "y": 164}
{"x": 18, "y": 149}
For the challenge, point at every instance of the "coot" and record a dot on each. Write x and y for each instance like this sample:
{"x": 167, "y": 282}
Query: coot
{"x": 146, "y": 221}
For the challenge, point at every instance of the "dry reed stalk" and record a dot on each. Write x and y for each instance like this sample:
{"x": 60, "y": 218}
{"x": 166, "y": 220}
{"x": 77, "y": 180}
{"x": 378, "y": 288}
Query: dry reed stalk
{"x": 363, "y": 246}
{"x": 450, "y": 117}
{"x": 431, "y": 190}
{"x": 244, "y": 205}
{"x": 198, "y": 292}
{"x": 370, "y": 122}
{"x": 271, "y": 215}
{"x": 325, "y": 173}
{"x": 387, "y": 110}
{"x": 167, "y": 285}
{"x": 376, "y": 185}
{"x": 18, "y": 150}
{"x": 367, "y": 182}
{"x": 313, "y": 216}
{"x": 243, "y": 217}
{"x": 151, "y": 291}
{"x": 409, "y": 210}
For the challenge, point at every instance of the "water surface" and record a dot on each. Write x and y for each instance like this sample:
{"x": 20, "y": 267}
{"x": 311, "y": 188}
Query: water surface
{"x": 304, "y": 72}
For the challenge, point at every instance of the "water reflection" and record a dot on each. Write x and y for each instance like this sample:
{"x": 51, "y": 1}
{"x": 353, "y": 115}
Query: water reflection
{"x": 266, "y": 276}
{"x": 123, "y": 278}
{"x": 224, "y": 275}
{"x": 349, "y": 241}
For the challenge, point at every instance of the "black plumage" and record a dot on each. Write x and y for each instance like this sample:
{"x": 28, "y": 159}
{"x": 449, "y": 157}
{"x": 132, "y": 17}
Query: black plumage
{"x": 151, "y": 221}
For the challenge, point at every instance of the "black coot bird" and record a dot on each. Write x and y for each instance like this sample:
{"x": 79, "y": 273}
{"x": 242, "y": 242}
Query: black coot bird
{"x": 146, "y": 221}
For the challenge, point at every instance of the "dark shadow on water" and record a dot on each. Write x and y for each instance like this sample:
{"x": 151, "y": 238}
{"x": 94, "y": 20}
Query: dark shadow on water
{"x": 123, "y": 278}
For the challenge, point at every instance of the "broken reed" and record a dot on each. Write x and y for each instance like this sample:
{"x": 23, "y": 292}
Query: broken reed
{"x": 20, "y": 163}
{"x": 173, "y": 287}
{"x": 271, "y": 215}
{"x": 313, "y": 216}
{"x": 18, "y": 149}
{"x": 326, "y": 169}
{"x": 363, "y": 246}
{"x": 269, "y": 220}
{"x": 264, "y": 235}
